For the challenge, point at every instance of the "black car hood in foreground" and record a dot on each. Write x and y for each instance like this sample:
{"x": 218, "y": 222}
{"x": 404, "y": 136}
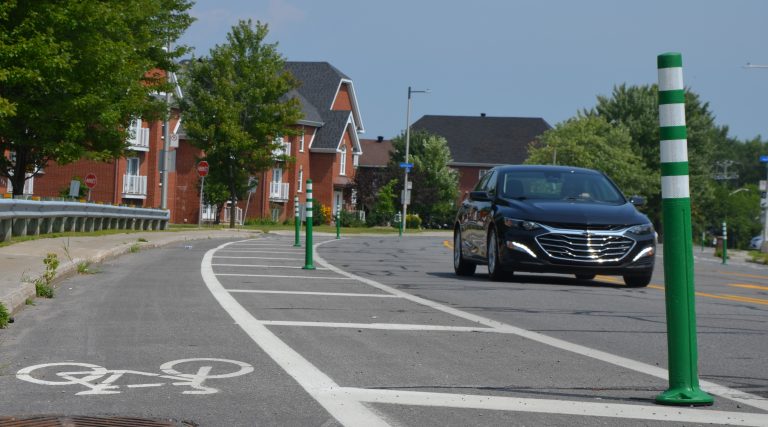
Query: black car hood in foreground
{"x": 575, "y": 212}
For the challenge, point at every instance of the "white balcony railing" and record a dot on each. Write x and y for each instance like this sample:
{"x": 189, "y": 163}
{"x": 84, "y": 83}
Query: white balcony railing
{"x": 284, "y": 150}
{"x": 139, "y": 137}
{"x": 278, "y": 191}
{"x": 134, "y": 185}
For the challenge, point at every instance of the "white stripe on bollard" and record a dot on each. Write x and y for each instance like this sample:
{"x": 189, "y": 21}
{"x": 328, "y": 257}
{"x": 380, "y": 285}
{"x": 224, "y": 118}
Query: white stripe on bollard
{"x": 671, "y": 78}
{"x": 672, "y": 115}
{"x": 674, "y": 150}
{"x": 675, "y": 187}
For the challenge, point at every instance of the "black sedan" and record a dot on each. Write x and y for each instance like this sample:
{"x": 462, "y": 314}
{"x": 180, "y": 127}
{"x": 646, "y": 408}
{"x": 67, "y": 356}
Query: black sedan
{"x": 553, "y": 219}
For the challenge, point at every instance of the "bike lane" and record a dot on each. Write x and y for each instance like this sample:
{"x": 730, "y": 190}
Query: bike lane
{"x": 143, "y": 338}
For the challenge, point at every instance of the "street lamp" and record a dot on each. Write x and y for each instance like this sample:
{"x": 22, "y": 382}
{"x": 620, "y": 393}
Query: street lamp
{"x": 406, "y": 190}
{"x": 764, "y": 248}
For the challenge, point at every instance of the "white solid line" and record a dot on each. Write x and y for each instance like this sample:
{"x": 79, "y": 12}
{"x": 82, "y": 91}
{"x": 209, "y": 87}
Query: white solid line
{"x": 381, "y": 326}
{"x": 277, "y": 276}
{"x": 549, "y": 406}
{"x": 348, "y": 412}
{"x": 333, "y": 294}
{"x": 263, "y": 266}
{"x": 259, "y": 252}
{"x": 259, "y": 257}
{"x": 145, "y": 385}
{"x": 634, "y": 365}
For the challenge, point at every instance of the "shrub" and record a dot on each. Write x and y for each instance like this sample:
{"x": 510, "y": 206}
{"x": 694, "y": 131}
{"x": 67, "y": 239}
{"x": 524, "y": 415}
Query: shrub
{"x": 351, "y": 219}
{"x": 321, "y": 215}
{"x": 413, "y": 221}
{"x": 4, "y": 316}
{"x": 43, "y": 285}
{"x": 260, "y": 221}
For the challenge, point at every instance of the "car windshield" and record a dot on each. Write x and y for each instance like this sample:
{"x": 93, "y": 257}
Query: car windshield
{"x": 559, "y": 185}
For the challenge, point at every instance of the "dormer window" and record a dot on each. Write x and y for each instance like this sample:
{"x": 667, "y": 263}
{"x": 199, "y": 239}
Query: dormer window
{"x": 343, "y": 162}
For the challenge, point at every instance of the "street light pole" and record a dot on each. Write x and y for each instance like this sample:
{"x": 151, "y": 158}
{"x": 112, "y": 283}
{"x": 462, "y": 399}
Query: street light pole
{"x": 406, "y": 190}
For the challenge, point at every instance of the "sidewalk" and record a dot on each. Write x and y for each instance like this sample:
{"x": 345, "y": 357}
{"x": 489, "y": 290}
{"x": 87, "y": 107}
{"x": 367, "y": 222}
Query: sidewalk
{"x": 22, "y": 263}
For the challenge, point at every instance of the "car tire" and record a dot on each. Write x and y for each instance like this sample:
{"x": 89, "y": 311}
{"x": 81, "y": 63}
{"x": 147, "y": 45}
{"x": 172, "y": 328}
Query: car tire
{"x": 495, "y": 270}
{"x": 637, "y": 281}
{"x": 585, "y": 276}
{"x": 461, "y": 266}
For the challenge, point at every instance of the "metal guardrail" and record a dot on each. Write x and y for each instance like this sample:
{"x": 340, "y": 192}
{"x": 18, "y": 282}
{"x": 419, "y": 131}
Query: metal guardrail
{"x": 20, "y": 217}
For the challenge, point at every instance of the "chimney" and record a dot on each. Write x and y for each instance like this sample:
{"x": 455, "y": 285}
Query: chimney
{"x": 482, "y": 114}
{"x": 379, "y": 139}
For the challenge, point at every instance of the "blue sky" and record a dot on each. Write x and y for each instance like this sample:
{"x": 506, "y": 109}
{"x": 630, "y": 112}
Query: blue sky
{"x": 544, "y": 58}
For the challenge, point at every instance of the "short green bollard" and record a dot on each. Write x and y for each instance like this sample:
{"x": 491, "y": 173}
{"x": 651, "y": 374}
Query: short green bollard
{"x": 308, "y": 257}
{"x": 296, "y": 221}
{"x": 338, "y": 222}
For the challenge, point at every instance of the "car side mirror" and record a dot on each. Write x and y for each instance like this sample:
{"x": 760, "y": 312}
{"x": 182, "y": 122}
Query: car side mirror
{"x": 482, "y": 196}
{"x": 637, "y": 200}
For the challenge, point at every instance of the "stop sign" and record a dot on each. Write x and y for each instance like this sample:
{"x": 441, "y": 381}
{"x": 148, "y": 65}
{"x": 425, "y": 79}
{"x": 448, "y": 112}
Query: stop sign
{"x": 202, "y": 168}
{"x": 90, "y": 180}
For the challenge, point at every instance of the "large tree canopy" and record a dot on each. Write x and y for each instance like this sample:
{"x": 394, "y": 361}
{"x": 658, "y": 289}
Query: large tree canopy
{"x": 73, "y": 74}
{"x": 235, "y": 106}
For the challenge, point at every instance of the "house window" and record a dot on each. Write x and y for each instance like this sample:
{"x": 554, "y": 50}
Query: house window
{"x": 343, "y": 166}
{"x": 277, "y": 175}
{"x": 300, "y": 184}
{"x": 132, "y": 167}
{"x": 355, "y": 160}
{"x": 301, "y": 141}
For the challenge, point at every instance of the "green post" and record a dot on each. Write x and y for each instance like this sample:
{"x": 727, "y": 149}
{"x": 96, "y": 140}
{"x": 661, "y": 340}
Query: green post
{"x": 296, "y": 220}
{"x": 678, "y": 247}
{"x": 725, "y": 243}
{"x": 308, "y": 258}
{"x": 338, "y": 221}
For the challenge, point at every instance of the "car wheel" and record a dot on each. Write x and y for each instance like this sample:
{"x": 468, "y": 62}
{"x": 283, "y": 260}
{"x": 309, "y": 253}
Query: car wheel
{"x": 495, "y": 270}
{"x": 461, "y": 266}
{"x": 637, "y": 281}
{"x": 585, "y": 276}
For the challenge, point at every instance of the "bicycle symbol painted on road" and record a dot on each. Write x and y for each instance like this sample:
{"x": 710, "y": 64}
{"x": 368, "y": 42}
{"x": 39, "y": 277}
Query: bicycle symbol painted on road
{"x": 100, "y": 380}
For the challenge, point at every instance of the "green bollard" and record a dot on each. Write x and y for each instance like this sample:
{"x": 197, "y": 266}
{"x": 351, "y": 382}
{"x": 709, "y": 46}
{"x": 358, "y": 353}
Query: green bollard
{"x": 338, "y": 221}
{"x": 725, "y": 244}
{"x": 296, "y": 220}
{"x": 678, "y": 247}
{"x": 308, "y": 257}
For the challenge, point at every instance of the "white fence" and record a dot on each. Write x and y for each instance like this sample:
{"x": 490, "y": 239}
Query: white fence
{"x": 279, "y": 190}
{"x": 135, "y": 185}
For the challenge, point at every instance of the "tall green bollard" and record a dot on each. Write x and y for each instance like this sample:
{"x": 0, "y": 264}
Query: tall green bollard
{"x": 296, "y": 220}
{"x": 725, "y": 243}
{"x": 338, "y": 221}
{"x": 308, "y": 258}
{"x": 678, "y": 247}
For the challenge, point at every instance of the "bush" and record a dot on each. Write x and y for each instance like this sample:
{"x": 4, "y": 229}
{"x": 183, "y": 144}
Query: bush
{"x": 321, "y": 215}
{"x": 4, "y": 316}
{"x": 412, "y": 221}
{"x": 351, "y": 219}
{"x": 43, "y": 285}
{"x": 260, "y": 221}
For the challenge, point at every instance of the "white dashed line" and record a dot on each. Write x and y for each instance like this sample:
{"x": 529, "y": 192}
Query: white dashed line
{"x": 259, "y": 257}
{"x": 277, "y": 276}
{"x": 335, "y": 294}
{"x": 262, "y": 266}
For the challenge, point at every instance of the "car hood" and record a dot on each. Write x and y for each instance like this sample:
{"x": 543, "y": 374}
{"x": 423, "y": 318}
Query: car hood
{"x": 577, "y": 212}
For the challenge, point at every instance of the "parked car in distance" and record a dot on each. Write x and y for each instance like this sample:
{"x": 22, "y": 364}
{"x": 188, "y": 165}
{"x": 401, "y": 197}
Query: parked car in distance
{"x": 553, "y": 219}
{"x": 756, "y": 243}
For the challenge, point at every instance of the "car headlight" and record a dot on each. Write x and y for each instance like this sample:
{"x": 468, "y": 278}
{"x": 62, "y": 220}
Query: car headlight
{"x": 642, "y": 229}
{"x": 522, "y": 224}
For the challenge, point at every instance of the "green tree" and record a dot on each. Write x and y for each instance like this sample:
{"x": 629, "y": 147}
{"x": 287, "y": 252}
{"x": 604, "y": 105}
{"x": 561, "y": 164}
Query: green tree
{"x": 73, "y": 74}
{"x": 384, "y": 209}
{"x": 435, "y": 184}
{"x": 636, "y": 108}
{"x": 592, "y": 142}
{"x": 235, "y": 106}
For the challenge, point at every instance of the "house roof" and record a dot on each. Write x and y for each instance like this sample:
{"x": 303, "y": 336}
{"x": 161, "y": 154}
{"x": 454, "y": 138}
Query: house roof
{"x": 310, "y": 114}
{"x": 375, "y": 153}
{"x": 320, "y": 83}
{"x": 482, "y": 140}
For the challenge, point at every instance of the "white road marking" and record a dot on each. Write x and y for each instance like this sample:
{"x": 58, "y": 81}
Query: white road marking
{"x": 334, "y": 294}
{"x": 145, "y": 385}
{"x": 259, "y": 257}
{"x": 277, "y": 276}
{"x": 349, "y": 412}
{"x": 548, "y": 406}
{"x": 717, "y": 389}
{"x": 381, "y": 326}
{"x": 265, "y": 252}
{"x": 262, "y": 266}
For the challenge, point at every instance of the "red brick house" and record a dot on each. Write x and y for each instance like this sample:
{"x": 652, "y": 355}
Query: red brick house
{"x": 326, "y": 150}
{"x": 478, "y": 143}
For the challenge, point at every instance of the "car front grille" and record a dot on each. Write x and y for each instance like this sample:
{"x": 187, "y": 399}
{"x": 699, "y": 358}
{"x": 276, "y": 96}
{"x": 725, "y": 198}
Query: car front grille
{"x": 585, "y": 247}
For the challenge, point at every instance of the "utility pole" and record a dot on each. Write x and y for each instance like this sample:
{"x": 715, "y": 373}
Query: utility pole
{"x": 406, "y": 188}
{"x": 764, "y": 247}
{"x": 166, "y": 140}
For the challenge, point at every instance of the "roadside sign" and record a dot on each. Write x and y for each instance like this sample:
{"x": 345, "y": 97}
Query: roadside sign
{"x": 763, "y": 185}
{"x": 763, "y": 159}
{"x": 74, "y": 188}
{"x": 90, "y": 180}
{"x": 406, "y": 165}
{"x": 202, "y": 168}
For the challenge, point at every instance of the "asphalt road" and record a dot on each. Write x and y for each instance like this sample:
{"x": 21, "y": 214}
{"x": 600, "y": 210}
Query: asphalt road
{"x": 380, "y": 333}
